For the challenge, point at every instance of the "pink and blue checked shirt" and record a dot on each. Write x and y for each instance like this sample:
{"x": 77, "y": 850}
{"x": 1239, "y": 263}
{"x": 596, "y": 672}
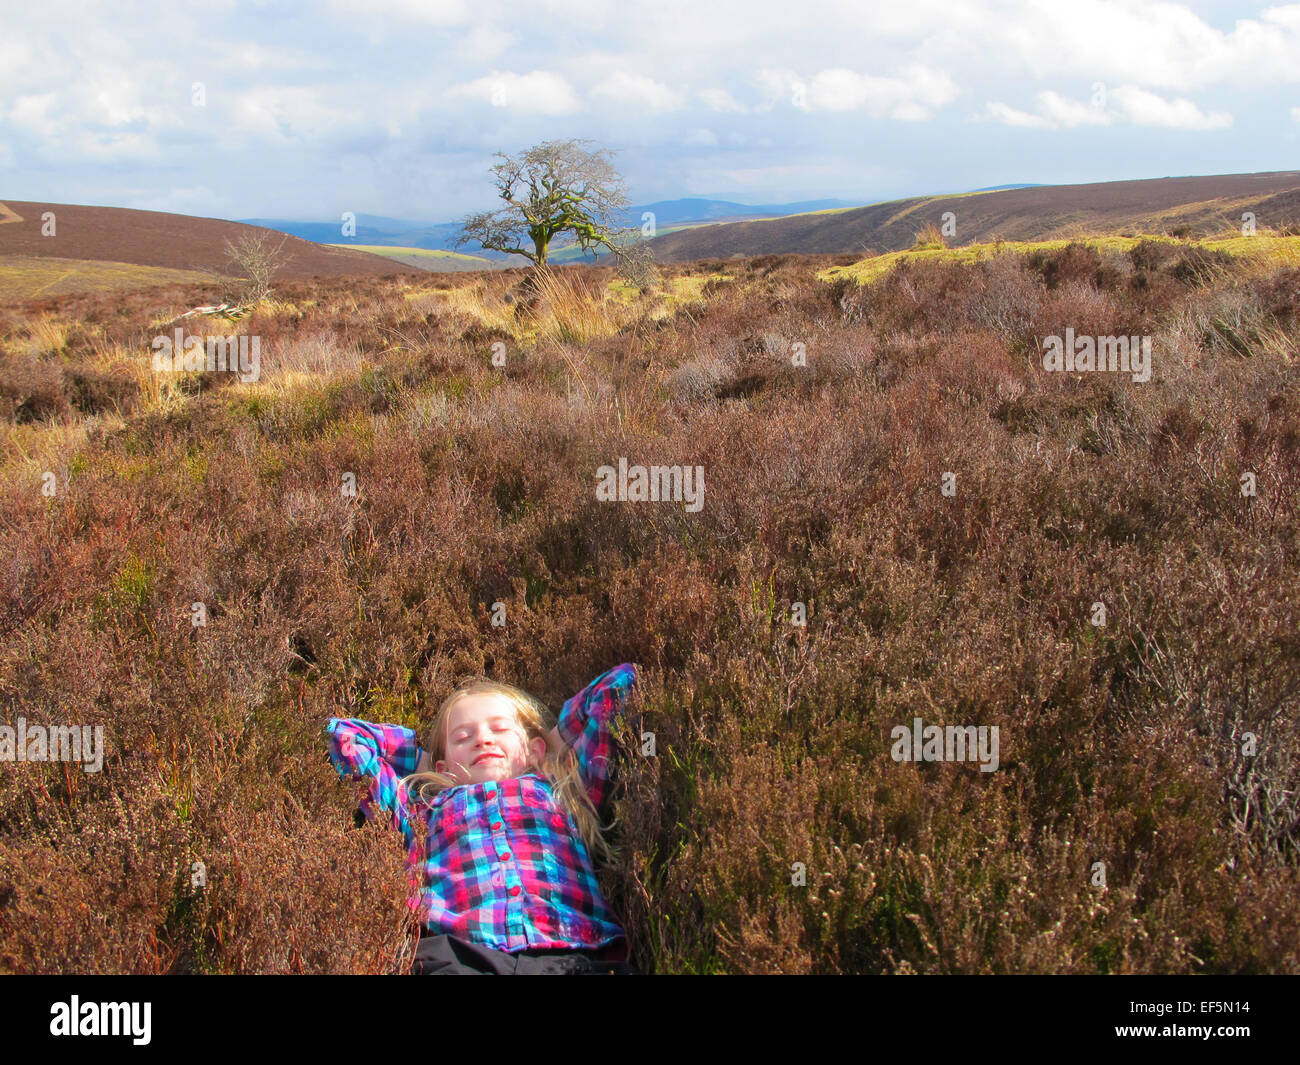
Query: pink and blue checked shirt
{"x": 503, "y": 864}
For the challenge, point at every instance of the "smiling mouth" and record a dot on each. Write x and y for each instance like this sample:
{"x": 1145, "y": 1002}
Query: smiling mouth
{"x": 488, "y": 755}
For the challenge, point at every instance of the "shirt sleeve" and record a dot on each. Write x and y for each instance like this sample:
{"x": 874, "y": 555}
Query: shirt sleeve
{"x": 587, "y": 722}
{"x": 381, "y": 755}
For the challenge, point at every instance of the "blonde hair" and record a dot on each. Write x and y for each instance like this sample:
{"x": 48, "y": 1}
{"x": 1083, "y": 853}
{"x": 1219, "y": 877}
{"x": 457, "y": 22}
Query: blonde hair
{"x": 560, "y": 769}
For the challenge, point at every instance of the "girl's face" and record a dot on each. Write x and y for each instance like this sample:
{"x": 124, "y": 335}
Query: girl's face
{"x": 486, "y": 741}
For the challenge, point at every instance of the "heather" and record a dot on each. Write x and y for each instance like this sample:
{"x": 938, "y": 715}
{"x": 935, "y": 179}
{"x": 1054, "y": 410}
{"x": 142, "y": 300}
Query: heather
{"x": 828, "y": 591}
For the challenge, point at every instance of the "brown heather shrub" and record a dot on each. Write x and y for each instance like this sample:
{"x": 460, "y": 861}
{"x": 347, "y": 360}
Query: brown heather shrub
{"x": 289, "y": 892}
{"x": 31, "y": 389}
{"x": 1079, "y": 306}
{"x": 1076, "y": 263}
{"x": 1279, "y": 293}
{"x": 88, "y": 889}
{"x": 922, "y": 297}
{"x": 1120, "y": 744}
{"x": 1007, "y": 300}
{"x": 1152, "y": 254}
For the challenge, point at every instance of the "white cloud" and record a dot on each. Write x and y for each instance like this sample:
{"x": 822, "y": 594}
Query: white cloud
{"x": 33, "y": 113}
{"x": 1127, "y": 103}
{"x": 25, "y": 59}
{"x": 1060, "y": 111}
{"x": 249, "y": 55}
{"x": 1295, "y": 114}
{"x": 721, "y": 100}
{"x": 355, "y": 94}
{"x": 1009, "y": 116}
{"x": 541, "y": 91}
{"x": 95, "y": 117}
{"x": 1156, "y": 45}
{"x": 106, "y": 147}
{"x": 1144, "y": 108}
{"x": 58, "y": 134}
{"x": 435, "y": 12}
{"x": 485, "y": 42}
{"x": 121, "y": 98}
{"x": 776, "y": 85}
{"x": 285, "y": 115}
{"x": 636, "y": 90}
{"x": 911, "y": 97}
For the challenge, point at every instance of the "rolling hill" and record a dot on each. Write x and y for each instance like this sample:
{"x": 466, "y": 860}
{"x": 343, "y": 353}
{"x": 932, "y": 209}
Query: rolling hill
{"x": 1201, "y": 204}
{"x": 174, "y": 241}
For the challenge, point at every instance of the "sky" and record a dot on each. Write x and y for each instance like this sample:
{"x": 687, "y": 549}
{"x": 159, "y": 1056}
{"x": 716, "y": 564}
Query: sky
{"x": 305, "y": 110}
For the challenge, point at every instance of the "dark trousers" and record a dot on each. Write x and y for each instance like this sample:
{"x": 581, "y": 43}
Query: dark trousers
{"x": 439, "y": 955}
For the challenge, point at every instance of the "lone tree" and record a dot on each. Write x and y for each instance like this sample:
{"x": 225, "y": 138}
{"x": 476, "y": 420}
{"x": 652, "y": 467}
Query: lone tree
{"x": 556, "y": 187}
{"x": 253, "y": 262}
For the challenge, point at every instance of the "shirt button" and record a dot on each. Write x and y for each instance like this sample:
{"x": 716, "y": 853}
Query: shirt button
{"x": 504, "y": 856}
{"x": 496, "y": 824}
{"x": 515, "y": 890}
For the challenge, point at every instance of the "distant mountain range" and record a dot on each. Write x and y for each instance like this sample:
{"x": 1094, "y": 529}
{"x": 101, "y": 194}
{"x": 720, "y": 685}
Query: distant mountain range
{"x": 379, "y": 231}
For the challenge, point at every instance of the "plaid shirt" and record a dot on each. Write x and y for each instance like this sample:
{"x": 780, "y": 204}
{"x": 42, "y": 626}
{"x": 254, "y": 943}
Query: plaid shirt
{"x": 503, "y": 864}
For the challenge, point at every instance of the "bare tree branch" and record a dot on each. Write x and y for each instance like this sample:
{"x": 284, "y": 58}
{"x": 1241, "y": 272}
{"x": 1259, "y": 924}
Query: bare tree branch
{"x": 254, "y": 261}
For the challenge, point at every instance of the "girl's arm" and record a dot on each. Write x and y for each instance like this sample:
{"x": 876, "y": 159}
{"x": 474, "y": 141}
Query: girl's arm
{"x": 381, "y": 755}
{"x": 586, "y": 724}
